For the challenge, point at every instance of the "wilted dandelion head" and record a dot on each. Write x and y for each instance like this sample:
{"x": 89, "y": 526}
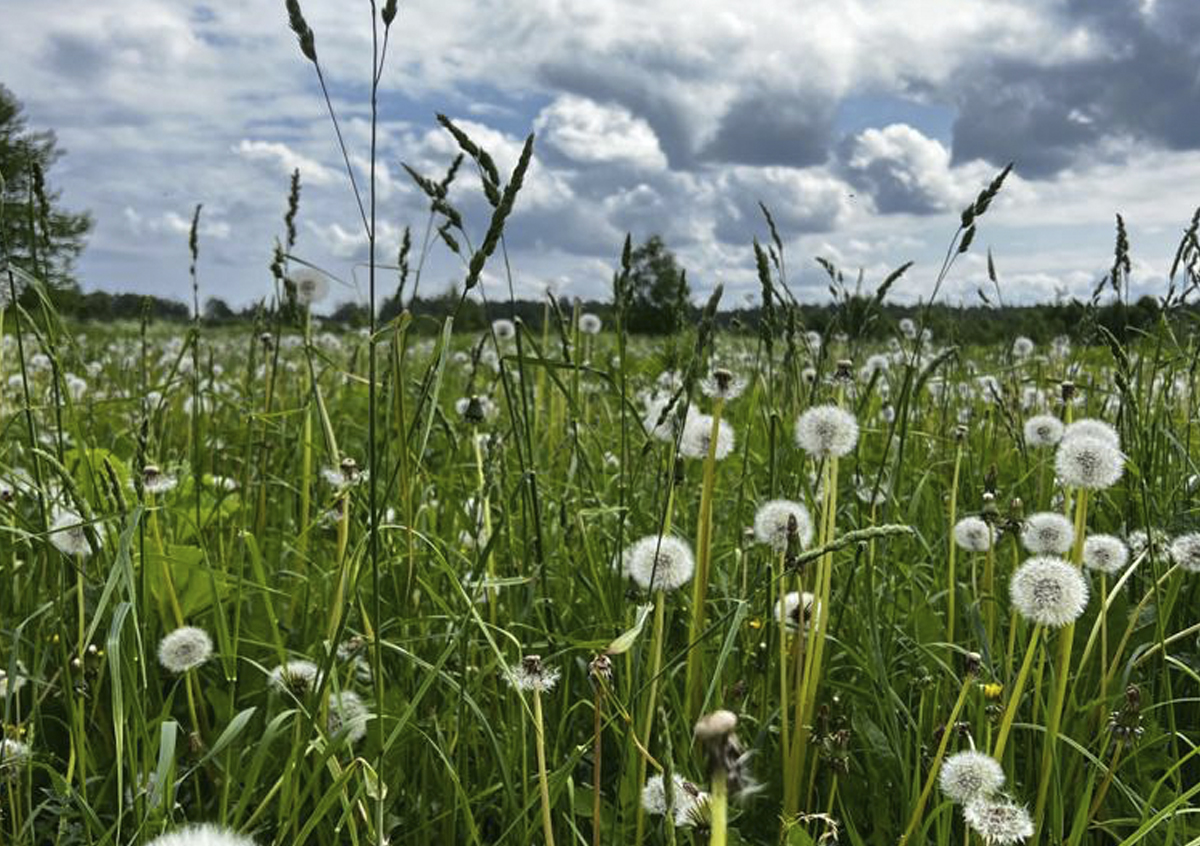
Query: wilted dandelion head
{"x": 202, "y": 835}
{"x": 184, "y": 649}
{"x": 1092, "y": 428}
{"x": 1185, "y": 551}
{"x": 1088, "y": 462}
{"x": 970, "y": 775}
{"x": 1043, "y": 430}
{"x": 504, "y": 329}
{"x": 532, "y": 674}
{"x": 973, "y": 534}
{"x": 697, "y": 437}
{"x": 687, "y": 804}
{"x": 1105, "y": 554}
{"x": 348, "y": 714}
{"x": 660, "y": 562}
{"x": 590, "y": 324}
{"x": 298, "y": 678}
{"x": 794, "y": 606}
{"x": 998, "y": 821}
{"x": 68, "y": 534}
{"x": 1048, "y": 591}
{"x": 723, "y": 384}
{"x": 778, "y": 520}
{"x": 826, "y": 430}
{"x": 1047, "y": 533}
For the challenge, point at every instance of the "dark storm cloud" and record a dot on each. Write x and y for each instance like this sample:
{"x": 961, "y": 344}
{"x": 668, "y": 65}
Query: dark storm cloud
{"x": 1143, "y": 84}
{"x": 774, "y": 128}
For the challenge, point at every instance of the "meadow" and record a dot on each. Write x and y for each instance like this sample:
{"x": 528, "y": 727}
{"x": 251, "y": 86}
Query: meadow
{"x": 281, "y": 583}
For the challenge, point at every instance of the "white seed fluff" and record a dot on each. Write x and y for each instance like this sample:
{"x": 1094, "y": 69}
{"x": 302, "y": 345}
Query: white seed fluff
{"x": 590, "y": 324}
{"x": 202, "y": 835}
{"x": 687, "y": 800}
{"x": 1048, "y": 591}
{"x": 68, "y": 535}
{"x": 660, "y": 562}
{"x": 825, "y": 431}
{"x": 1047, "y": 533}
{"x": 792, "y": 603}
{"x": 348, "y": 713}
{"x": 1000, "y": 822}
{"x": 697, "y": 437}
{"x": 1185, "y": 551}
{"x": 1105, "y": 554}
{"x": 185, "y": 649}
{"x": 1089, "y": 427}
{"x": 973, "y": 534}
{"x": 1043, "y": 430}
{"x": 295, "y": 677}
{"x": 772, "y": 519}
{"x": 970, "y": 775}
{"x": 1088, "y": 462}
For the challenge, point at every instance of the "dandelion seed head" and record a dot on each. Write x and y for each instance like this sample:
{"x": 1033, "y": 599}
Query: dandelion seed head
{"x": 590, "y": 324}
{"x": 1049, "y": 591}
{"x": 697, "y": 437}
{"x": 1047, "y": 533}
{"x": 792, "y": 606}
{"x": 660, "y": 562}
{"x": 1022, "y": 347}
{"x": 1088, "y": 462}
{"x": 973, "y": 534}
{"x": 349, "y": 714}
{"x": 1185, "y": 551}
{"x": 999, "y": 821}
{"x": 533, "y": 675}
{"x": 68, "y": 535}
{"x": 687, "y": 800}
{"x": 504, "y": 329}
{"x": 723, "y": 384}
{"x": 206, "y": 834}
{"x": 970, "y": 775}
{"x": 295, "y": 677}
{"x": 185, "y": 649}
{"x": 1092, "y": 428}
{"x": 825, "y": 431}
{"x": 13, "y": 756}
{"x": 773, "y": 521}
{"x": 1105, "y": 554}
{"x": 1043, "y": 430}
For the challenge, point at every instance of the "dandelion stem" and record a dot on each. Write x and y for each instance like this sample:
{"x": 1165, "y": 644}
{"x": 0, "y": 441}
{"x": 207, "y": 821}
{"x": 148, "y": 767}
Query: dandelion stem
{"x": 719, "y": 807}
{"x": 951, "y": 587}
{"x": 543, "y": 781}
{"x": 1014, "y": 698}
{"x": 936, "y": 764}
{"x": 703, "y": 563}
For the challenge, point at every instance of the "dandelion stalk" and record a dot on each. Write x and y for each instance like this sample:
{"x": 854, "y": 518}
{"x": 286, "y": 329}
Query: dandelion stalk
{"x": 951, "y": 585}
{"x": 543, "y": 779}
{"x": 719, "y": 808}
{"x": 1014, "y": 698}
{"x": 919, "y": 810}
{"x": 703, "y": 563}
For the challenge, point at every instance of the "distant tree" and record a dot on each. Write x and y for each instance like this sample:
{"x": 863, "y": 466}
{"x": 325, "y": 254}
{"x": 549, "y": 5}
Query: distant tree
{"x": 36, "y": 234}
{"x": 216, "y": 310}
{"x": 350, "y": 314}
{"x": 658, "y": 289}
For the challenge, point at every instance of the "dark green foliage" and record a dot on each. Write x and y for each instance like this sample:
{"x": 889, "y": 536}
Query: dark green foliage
{"x": 658, "y": 289}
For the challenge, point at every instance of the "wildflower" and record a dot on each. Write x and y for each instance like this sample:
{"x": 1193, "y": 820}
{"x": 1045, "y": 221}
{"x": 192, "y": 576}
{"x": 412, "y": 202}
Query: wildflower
{"x": 998, "y": 821}
{"x": 970, "y": 775}
{"x": 532, "y": 674}
{"x": 295, "y": 677}
{"x": 1185, "y": 551}
{"x": 1088, "y": 462}
{"x": 992, "y": 690}
{"x": 780, "y": 519}
{"x": 723, "y": 384}
{"x": 310, "y": 286}
{"x": 1043, "y": 430}
{"x": 687, "y": 803}
{"x": 590, "y": 324}
{"x": 503, "y": 329}
{"x": 660, "y": 562}
{"x": 348, "y": 714}
{"x": 1047, "y": 533}
{"x": 826, "y": 431}
{"x": 1022, "y": 347}
{"x": 1091, "y": 428}
{"x": 201, "y": 835}
{"x": 184, "y": 649}
{"x": 1105, "y": 553}
{"x": 155, "y": 481}
{"x": 68, "y": 534}
{"x": 1048, "y": 591}
{"x": 790, "y": 607}
{"x": 973, "y": 534}
{"x": 697, "y": 437}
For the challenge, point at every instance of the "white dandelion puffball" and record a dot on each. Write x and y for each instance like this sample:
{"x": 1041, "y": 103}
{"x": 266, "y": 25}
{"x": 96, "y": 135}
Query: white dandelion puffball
{"x": 1089, "y": 427}
{"x": 773, "y": 519}
{"x": 723, "y": 384}
{"x": 295, "y": 677}
{"x": 1049, "y": 591}
{"x": 970, "y": 775}
{"x": 185, "y": 649}
{"x": 697, "y": 437}
{"x": 1185, "y": 551}
{"x": 348, "y": 714}
{"x": 590, "y": 324}
{"x": 202, "y": 835}
{"x": 311, "y": 286}
{"x": 1105, "y": 554}
{"x": 792, "y": 606}
{"x": 1088, "y": 462}
{"x": 1043, "y": 430}
{"x": 687, "y": 800}
{"x": 660, "y": 562}
{"x": 1022, "y": 347}
{"x": 13, "y": 755}
{"x": 1000, "y": 822}
{"x": 658, "y": 421}
{"x": 532, "y": 674}
{"x": 68, "y": 534}
{"x": 1141, "y": 541}
{"x": 973, "y": 534}
{"x": 826, "y": 430}
{"x": 1047, "y": 533}
{"x": 504, "y": 329}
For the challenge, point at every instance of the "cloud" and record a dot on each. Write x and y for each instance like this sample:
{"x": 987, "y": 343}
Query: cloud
{"x": 593, "y": 133}
{"x": 287, "y": 159}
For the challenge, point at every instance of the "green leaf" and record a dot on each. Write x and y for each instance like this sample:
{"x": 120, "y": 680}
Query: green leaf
{"x": 627, "y": 638}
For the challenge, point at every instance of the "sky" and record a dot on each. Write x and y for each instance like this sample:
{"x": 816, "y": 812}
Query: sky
{"x": 865, "y": 126}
